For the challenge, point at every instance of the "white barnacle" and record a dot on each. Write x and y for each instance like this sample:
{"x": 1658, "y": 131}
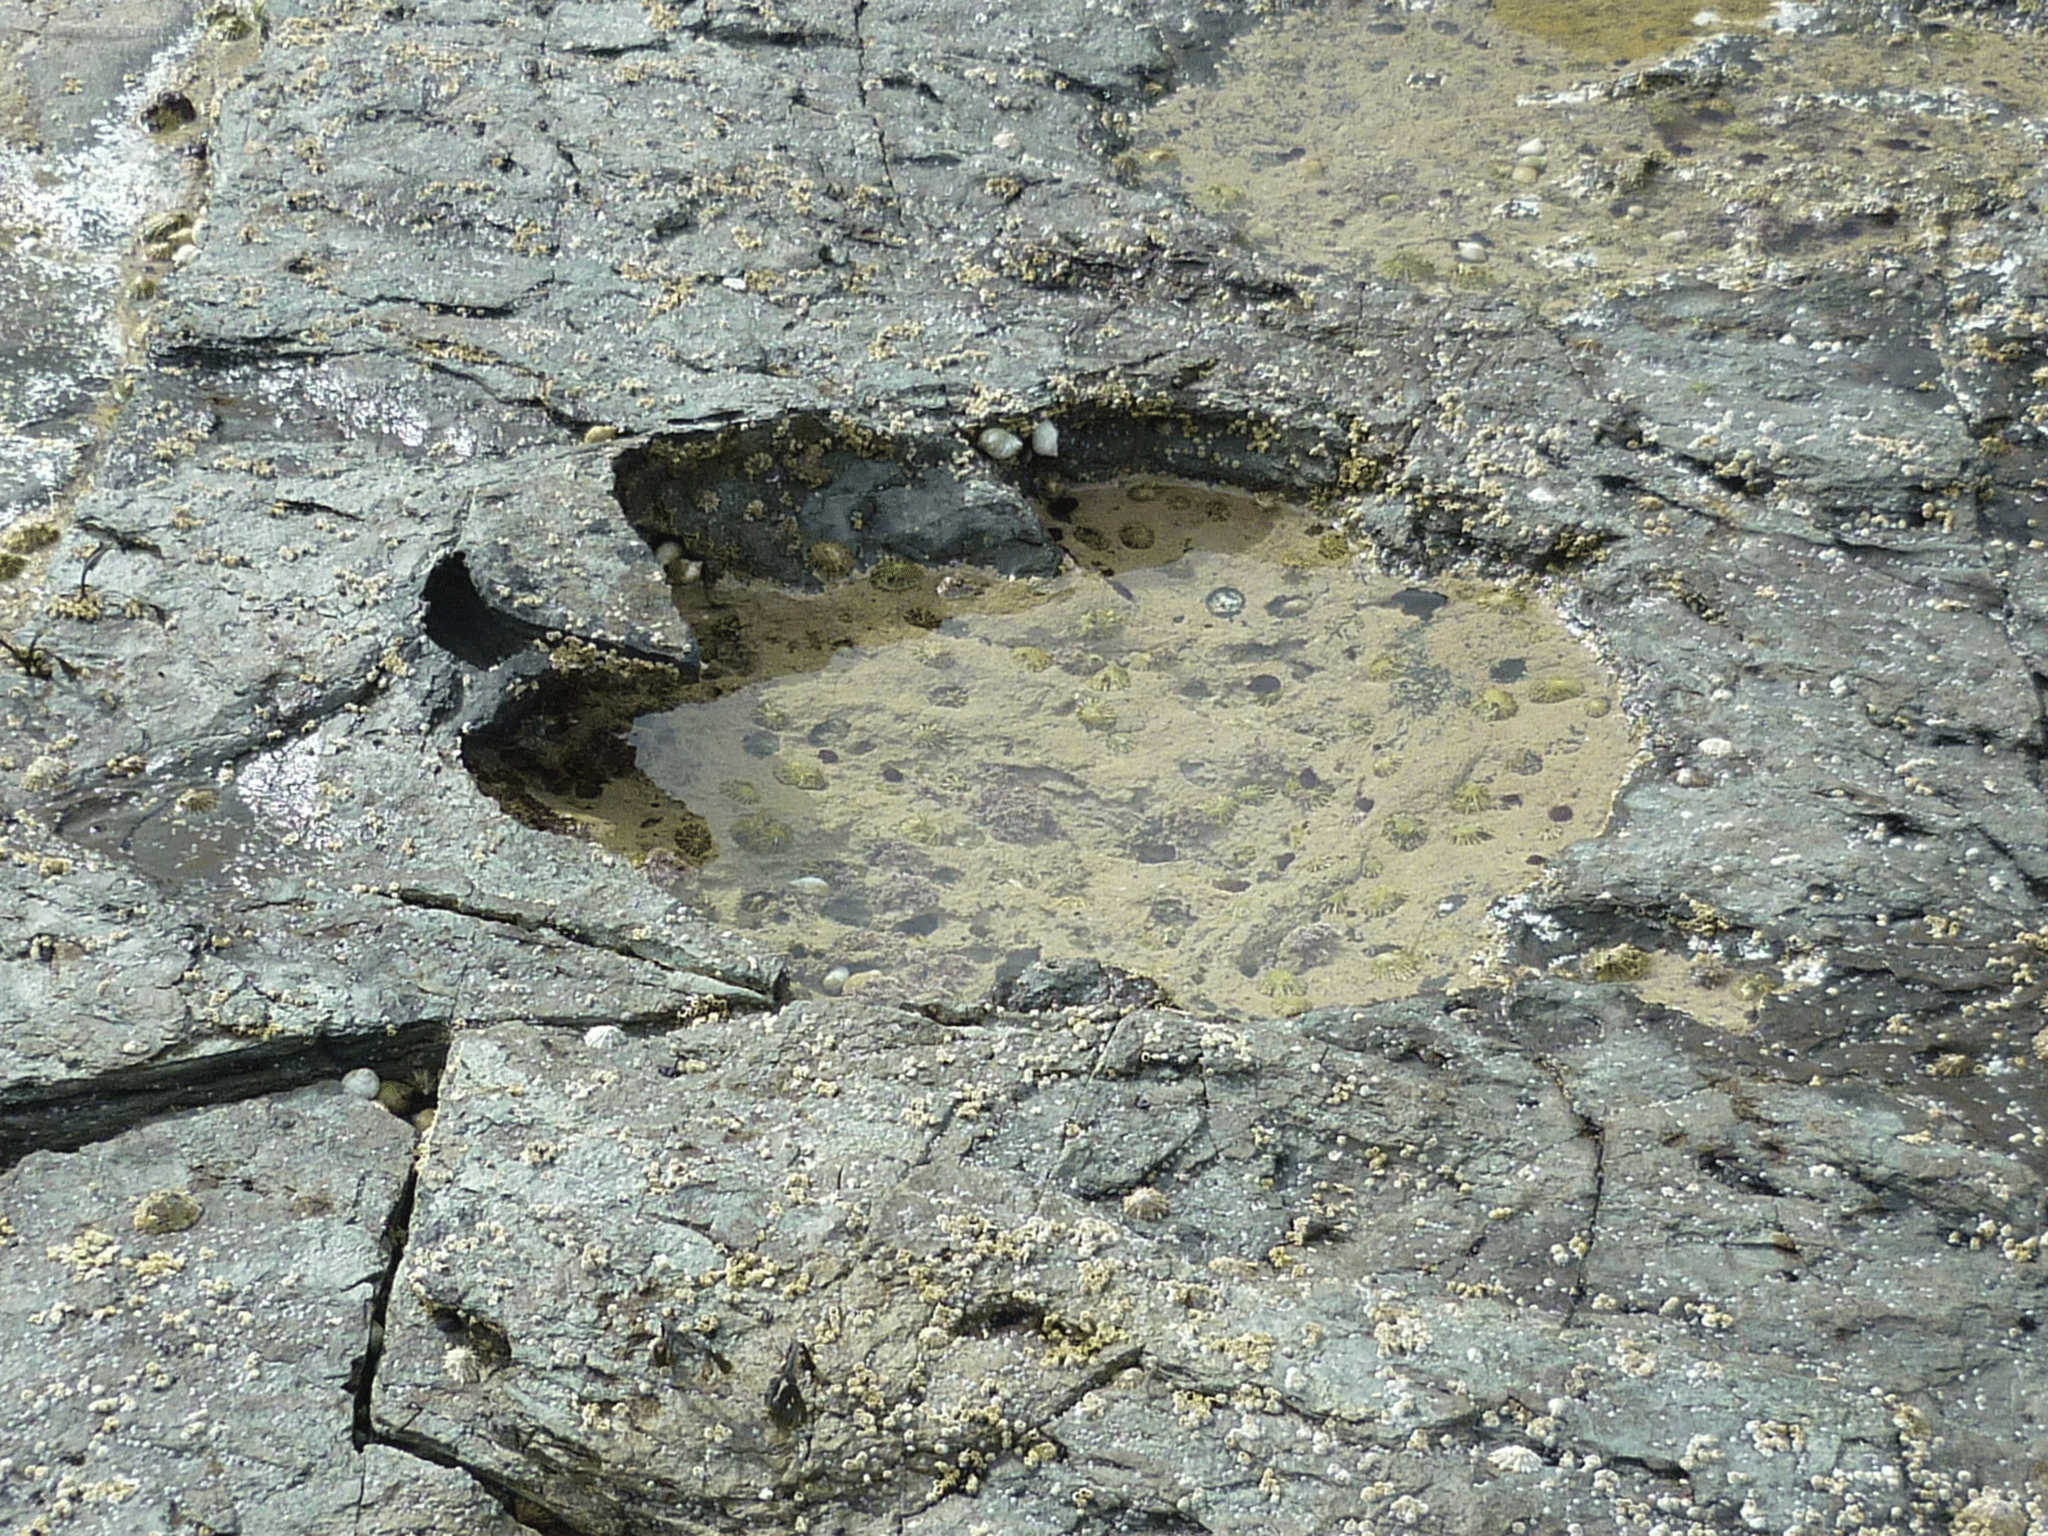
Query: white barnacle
{"x": 1514, "y": 1458}
{"x": 1146, "y": 1204}
{"x": 460, "y": 1364}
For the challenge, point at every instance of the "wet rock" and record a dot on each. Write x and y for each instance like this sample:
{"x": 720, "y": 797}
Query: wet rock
{"x": 1755, "y": 1247}
{"x": 1045, "y": 985}
{"x": 1333, "y": 1243}
{"x": 201, "y": 1372}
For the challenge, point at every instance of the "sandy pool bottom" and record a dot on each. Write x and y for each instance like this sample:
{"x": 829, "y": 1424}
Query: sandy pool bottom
{"x": 1221, "y": 752}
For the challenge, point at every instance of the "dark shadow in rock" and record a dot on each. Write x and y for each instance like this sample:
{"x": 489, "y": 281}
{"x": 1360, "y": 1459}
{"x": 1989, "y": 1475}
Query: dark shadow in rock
{"x": 43, "y": 1119}
{"x": 464, "y": 625}
{"x": 805, "y": 500}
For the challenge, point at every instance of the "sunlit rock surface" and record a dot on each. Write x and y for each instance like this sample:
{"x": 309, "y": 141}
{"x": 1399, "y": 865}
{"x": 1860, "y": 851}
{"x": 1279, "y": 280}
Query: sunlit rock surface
{"x": 1713, "y": 1202}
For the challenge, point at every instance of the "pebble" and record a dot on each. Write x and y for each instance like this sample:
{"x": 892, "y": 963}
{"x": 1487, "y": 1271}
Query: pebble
{"x": 1532, "y": 147}
{"x": 1225, "y": 602}
{"x": 1471, "y": 251}
{"x": 835, "y": 981}
{"x": 1716, "y": 746}
{"x": 998, "y": 444}
{"x": 362, "y": 1083}
{"x": 1045, "y": 440}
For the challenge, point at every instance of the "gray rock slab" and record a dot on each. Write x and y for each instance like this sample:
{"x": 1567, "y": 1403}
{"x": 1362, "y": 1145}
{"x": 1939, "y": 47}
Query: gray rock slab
{"x": 185, "y": 1305}
{"x": 1285, "y": 1274}
{"x": 1560, "y": 1258}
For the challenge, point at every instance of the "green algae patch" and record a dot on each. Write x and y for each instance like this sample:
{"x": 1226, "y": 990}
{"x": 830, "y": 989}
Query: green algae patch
{"x": 1221, "y": 750}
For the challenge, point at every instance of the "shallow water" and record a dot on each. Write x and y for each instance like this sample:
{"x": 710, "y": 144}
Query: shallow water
{"x": 1515, "y": 147}
{"x": 1224, "y": 753}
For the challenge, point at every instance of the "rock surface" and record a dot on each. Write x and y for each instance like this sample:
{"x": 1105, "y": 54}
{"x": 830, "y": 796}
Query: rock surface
{"x": 473, "y": 309}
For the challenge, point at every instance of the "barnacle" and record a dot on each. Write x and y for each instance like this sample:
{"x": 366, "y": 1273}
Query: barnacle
{"x": 1472, "y": 796}
{"x": 1386, "y": 765}
{"x": 1382, "y": 901}
{"x": 1497, "y": 704}
{"x": 931, "y": 738}
{"x": 692, "y": 838}
{"x": 1624, "y": 962}
{"x": 1287, "y": 990}
{"x": 740, "y": 792}
{"x": 926, "y": 829}
{"x": 1147, "y": 1204}
{"x": 798, "y": 774}
{"x": 1555, "y": 690}
{"x": 830, "y": 560}
{"x": 1382, "y": 667}
{"x": 1101, "y": 621}
{"x": 758, "y": 832}
{"x": 1469, "y": 835}
{"x": 1095, "y": 715}
{"x": 1406, "y": 832}
{"x": 1031, "y": 658}
{"x": 1754, "y": 986}
{"x": 1110, "y": 677}
{"x": 1398, "y": 964}
{"x": 894, "y": 575}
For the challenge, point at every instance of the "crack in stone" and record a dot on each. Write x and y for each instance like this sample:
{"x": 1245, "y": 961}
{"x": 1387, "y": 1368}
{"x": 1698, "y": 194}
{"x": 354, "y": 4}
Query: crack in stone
{"x": 1592, "y": 1130}
{"x": 699, "y": 982}
{"x": 862, "y": 82}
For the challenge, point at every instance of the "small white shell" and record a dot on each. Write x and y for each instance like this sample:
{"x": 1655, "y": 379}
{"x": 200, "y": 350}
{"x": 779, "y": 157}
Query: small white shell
{"x": 363, "y": 1083}
{"x": 1514, "y": 1458}
{"x": 1532, "y": 147}
{"x": 1045, "y": 440}
{"x": 667, "y": 553}
{"x": 602, "y": 1037}
{"x": 998, "y": 444}
{"x": 1716, "y": 746}
{"x": 834, "y": 981}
